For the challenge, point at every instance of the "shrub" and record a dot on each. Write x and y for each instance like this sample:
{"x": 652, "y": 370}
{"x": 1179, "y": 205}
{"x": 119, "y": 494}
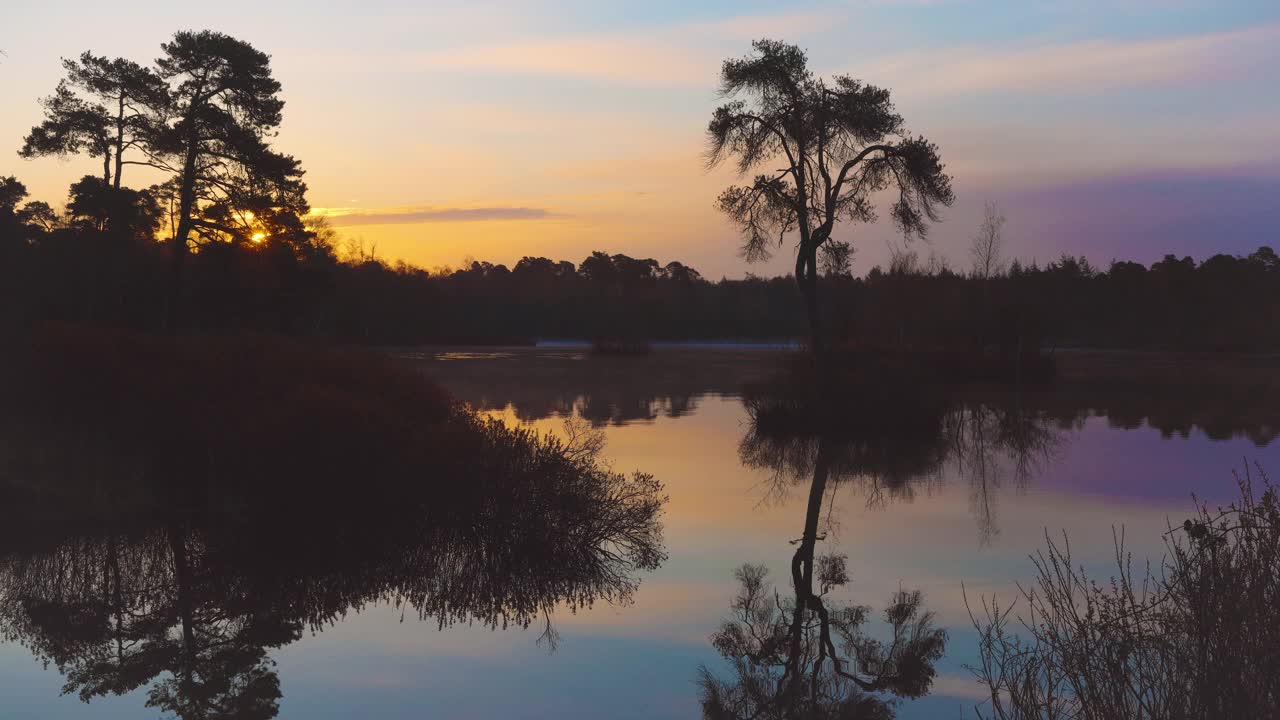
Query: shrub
{"x": 1196, "y": 637}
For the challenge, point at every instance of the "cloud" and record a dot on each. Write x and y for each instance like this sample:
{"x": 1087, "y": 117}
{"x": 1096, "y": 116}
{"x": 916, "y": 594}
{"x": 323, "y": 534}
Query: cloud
{"x": 618, "y": 59}
{"x": 1085, "y": 66}
{"x": 750, "y": 27}
{"x": 681, "y": 55}
{"x": 349, "y": 217}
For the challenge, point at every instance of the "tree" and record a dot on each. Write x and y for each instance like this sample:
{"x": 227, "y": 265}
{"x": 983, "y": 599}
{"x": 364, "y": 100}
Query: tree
{"x": 1265, "y": 258}
{"x": 678, "y": 272}
{"x": 987, "y": 248}
{"x": 120, "y": 212}
{"x": 37, "y": 214}
{"x": 839, "y": 142}
{"x": 124, "y": 103}
{"x": 230, "y": 185}
{"x": 12, "y": 192}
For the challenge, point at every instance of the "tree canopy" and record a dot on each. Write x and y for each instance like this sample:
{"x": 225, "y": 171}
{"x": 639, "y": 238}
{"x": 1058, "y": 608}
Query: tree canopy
{"x": 104, "y": 107}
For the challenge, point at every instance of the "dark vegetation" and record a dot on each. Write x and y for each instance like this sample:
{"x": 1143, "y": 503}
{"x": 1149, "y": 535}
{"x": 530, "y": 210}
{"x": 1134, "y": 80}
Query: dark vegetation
{"x": 1192, "y": 637}
{"x": 171, "y": 509}
{"x": 1174, "y": 393}
{"x": 234, "y": 427}
{"x": 81, "y": 275}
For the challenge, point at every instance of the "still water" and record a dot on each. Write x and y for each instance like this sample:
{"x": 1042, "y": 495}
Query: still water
{"x": 961, "y": 507}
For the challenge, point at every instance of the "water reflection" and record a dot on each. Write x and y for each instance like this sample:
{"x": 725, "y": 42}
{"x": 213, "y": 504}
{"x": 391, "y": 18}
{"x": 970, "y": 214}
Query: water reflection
{"x": 805, "y": 654}
{"x": 890, "y": 449}
{"x": 187, "y": 600}
{"x": 538, "y": 384}
{"x": 803, "y": 657}
{"x": 259, "y": 582}
{"x": 888, "y": 438}
{"x": 899, "y": 441}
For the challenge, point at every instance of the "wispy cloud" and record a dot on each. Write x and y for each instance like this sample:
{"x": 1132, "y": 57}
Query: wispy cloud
{"x": 684, "y": 54}
{"x": 750, "y": 27}
{"x": 349, "y": 217}
{"x": 617, "y": 59}
{"x": 1092, "y": 65}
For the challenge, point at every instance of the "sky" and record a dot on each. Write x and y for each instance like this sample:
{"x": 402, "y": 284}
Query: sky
{"x": 494, "y": 129}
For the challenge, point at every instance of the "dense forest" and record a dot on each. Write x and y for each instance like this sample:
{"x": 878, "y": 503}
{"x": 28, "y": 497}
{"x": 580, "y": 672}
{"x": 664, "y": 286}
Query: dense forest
{"x": 79, "y": 267}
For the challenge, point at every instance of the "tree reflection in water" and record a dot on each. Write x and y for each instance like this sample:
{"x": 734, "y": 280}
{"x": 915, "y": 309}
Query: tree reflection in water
{"x": 806, "y": 656}
{"x": 891, "y": 442}
{"x": 799, "y": 657}
{"x": 188, "y": 601}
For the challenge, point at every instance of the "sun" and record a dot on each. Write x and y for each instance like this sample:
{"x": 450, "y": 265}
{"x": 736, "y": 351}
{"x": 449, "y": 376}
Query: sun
{"x": 258, "y": 237}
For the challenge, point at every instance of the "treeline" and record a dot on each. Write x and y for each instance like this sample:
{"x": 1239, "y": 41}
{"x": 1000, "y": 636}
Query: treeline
{"x": 79, "y": 267}
{"x": 75, "y": 268}
{"x": 1226, "y": 302}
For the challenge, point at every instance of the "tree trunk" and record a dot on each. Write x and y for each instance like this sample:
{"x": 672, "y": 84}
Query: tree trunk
{"x": 182, "y": 578}
{"x": 807, "y": 281}
{"x": 802, "y": 565}
{"x": 119, "y": 142}
{"x": 178, "y": 246}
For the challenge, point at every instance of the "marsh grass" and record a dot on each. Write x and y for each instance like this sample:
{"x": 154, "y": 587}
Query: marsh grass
{"x": 1196, "y": 636}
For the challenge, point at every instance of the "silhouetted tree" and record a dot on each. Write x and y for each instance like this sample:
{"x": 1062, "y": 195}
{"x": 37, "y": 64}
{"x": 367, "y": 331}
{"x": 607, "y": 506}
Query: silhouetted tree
{"x": 987, "y": 247}
{"x": 230, "y": 185}
{"x": 38, "y": 214}
{"x": 12, "y": 228}
{"x": 839, "y": 142}
{"x": 678, "y": 272}
{"x": 104, "y": 108}
{"x": 12, "y": 192}
{"x": 120, "y": 212}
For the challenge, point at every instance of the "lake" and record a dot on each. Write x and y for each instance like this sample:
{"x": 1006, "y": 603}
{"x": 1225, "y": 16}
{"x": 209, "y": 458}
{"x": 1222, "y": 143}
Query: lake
{"x": 962, "y": 506}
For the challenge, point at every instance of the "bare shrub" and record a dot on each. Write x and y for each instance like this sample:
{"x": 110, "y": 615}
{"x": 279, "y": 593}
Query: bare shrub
{"x": 1195, "y": 637}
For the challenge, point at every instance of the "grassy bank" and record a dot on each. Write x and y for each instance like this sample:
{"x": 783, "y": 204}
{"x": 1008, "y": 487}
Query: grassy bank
{"x": 236, "y": 426}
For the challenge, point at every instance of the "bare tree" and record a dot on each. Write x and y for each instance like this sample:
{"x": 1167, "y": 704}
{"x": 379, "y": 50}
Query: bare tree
{"x": 987, "y": 249}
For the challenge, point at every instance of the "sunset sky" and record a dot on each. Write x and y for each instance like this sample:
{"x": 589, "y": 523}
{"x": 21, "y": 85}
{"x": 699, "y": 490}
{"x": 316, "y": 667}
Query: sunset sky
{"x": 501, "y": 129}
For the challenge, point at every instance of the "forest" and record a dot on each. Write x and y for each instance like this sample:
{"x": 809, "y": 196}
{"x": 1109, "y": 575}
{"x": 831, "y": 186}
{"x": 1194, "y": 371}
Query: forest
{"x": 99, "y": 264}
